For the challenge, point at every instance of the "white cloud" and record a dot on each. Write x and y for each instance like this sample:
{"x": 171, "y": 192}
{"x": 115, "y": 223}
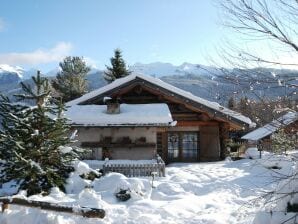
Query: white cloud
{"x": 39, "y": 56}
{"x": 91, "y": 62}
{"x": 2, "y": 24}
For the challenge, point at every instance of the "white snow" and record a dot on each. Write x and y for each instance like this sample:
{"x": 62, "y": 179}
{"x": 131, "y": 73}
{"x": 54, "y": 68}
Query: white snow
{"x": 119, "y": 82}
{"x": 209, "y": 193}
{"x": 273, "y": 126}
{"x": 254, "y": 153}
{"x": 73, "y": 135}
{"x": 65, "y": 149}
{"x": 37, "y": 165}
{"x": 130, "y": 114}
{"x": 4, "y": 68}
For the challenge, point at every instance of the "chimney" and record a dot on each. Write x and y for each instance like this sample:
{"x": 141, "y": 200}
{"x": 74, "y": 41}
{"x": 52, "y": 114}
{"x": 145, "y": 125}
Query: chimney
{"x": 113, "y": 106}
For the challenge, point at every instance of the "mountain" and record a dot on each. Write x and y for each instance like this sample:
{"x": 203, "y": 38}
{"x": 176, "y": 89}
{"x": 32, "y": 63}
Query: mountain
{"x": 159, "y": 69}
{"x": 9, "y": 77}
{"x": 204, "y": 81}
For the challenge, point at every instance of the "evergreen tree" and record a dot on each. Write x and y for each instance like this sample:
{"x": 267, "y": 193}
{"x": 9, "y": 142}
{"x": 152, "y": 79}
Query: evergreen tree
{"x": 243, "y": 106}
{"x": 282, "y": 141}
{"x": 32, "y": 138}
{"x": 231, "y": 103}
{"x": 71, "y": 82}
{"x": 118, "y": 68}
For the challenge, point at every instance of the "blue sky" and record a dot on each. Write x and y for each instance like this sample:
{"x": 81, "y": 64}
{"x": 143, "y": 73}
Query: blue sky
{"x": 38, "y": 34}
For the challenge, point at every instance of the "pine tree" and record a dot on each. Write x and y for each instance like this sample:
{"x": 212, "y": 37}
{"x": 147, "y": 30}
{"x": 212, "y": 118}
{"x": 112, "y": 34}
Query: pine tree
{"x": 244, "y": 107}
{"x": 118, "y": 68}
{"x": 71, "y": 82}
{"x": 31, "y": 139}
{"x": 282, "y": 142}
{"x": 231, "y": 103}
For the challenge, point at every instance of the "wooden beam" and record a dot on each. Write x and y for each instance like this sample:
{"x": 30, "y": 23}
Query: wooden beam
{"x": 83, "y": 211}
{"x": 196, "y": 123}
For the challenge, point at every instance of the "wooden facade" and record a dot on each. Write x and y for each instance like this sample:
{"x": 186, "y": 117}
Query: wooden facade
{"x": 200, "y": 132}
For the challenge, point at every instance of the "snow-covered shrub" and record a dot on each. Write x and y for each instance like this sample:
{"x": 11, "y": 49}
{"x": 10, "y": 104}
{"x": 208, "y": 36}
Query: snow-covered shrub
{"x": 76, "y": 181}
{"x": 89, "y": 198}
{"x": 252, "y": 153}
{"x": 282, "y": 203}
{"x": 85, "y": 172}
{"x": 91, "y": 175}
{"x": 123, "y": 194}
{"x": 112, "y": 183}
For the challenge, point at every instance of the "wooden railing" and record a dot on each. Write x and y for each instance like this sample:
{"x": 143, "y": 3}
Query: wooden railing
{"x": 136, "y": 170}
{"x": 130, "y": 168}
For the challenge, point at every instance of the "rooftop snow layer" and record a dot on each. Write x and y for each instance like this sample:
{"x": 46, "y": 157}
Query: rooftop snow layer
{"x": 273, "y": 126}
{"x": 155, "y": 81}
{"x": 130, "y": 115}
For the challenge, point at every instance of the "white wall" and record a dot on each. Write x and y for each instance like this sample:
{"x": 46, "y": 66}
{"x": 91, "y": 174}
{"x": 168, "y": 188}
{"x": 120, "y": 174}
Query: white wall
{"x": 98, "y": 134}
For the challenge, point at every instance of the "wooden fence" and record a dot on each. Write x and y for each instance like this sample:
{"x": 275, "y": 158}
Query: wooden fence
{"x": 136, "y": 170}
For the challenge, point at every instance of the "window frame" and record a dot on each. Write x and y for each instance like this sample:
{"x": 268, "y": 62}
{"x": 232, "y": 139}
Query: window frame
{"x": 181, "y": 149}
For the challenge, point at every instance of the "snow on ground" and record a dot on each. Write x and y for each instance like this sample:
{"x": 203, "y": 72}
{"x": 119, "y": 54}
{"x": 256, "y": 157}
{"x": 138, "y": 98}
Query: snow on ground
{"x": 209, "y": 193}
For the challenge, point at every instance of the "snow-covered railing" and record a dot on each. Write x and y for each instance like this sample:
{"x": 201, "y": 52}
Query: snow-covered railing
{"x": 136, "y": 170}
{"x": 130, "y": 168}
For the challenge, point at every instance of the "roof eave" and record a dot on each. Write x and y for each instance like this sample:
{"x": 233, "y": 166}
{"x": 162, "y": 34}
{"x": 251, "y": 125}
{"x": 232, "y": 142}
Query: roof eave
{"x": 217, "y": 113}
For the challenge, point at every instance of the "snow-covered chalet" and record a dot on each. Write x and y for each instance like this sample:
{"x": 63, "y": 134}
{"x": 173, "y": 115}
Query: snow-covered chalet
{"x": 138, "y": 117}
{"x": 262, "y": 136}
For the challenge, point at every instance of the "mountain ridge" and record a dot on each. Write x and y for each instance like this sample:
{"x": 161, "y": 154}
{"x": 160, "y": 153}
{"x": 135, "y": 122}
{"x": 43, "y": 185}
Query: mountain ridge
{"x": 205, "y": 81}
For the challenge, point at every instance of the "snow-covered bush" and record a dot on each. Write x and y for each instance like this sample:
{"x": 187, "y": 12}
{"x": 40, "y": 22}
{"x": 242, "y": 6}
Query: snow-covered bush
{"x": 281, "y": 203}
{"x": 254, "y": 153}
{"x": 123, "y": 194}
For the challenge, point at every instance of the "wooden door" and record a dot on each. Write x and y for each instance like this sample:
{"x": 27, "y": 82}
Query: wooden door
{"x": 210, "y": 145}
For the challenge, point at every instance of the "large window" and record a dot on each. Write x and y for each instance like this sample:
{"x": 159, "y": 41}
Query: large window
{"x": 183, "y": 146}
{"x": 173, "y": 145}
{"x": 190, "y": 145}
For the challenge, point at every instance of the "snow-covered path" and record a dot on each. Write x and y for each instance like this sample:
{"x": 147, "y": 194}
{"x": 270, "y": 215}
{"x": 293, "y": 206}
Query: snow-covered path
{"x": 218, "y": 192}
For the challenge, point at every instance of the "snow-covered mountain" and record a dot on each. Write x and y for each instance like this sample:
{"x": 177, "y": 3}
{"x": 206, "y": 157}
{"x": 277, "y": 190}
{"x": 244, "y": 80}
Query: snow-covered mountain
{"x": 9, "y": 77}
{"x": 6, "y": 70}
{"x": 206, "y": 82}
{"x": 159, "y": 69}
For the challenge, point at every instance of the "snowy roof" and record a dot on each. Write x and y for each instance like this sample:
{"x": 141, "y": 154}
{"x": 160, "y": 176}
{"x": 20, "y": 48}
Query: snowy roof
{"x": 157, "y": 82}
{"x": 273, "y": 126}
{"x": 130, "y": 115}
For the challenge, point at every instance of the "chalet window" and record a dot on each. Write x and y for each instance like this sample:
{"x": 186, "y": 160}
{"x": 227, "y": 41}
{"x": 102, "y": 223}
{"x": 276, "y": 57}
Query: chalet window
{"x": 183, "y": 146}
{"x": 173, "y": 145}
{"x": 189, "y": 145}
